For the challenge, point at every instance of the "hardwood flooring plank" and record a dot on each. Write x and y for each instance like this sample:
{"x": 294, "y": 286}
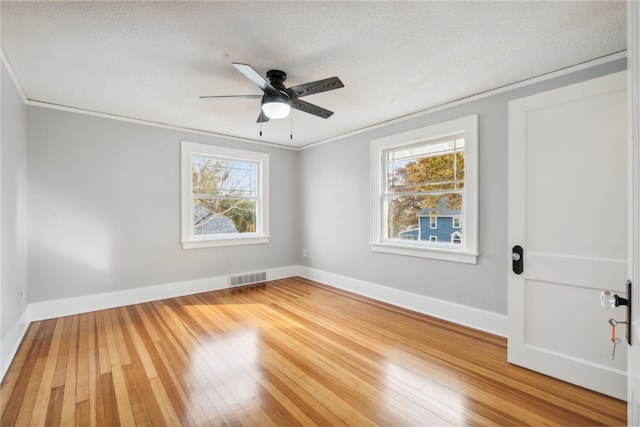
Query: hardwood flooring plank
{"x": 60, "y": 375}
{"x": 44, "y": 390}
{"x": 82, "y": 361}
{"x": 54, "y": 410}
{"x": 68, "y": 413}
{"x": 83, "y": 417}
{"x": 108, "y": 415}
{"x": 103, "y": 351}
{"x": 94, "y": 389}
{"x": 30, "y": 396}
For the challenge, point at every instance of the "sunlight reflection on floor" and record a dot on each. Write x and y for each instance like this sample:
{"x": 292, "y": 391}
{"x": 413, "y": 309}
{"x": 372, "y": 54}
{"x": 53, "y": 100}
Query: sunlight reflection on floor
{"x": 432, "y": 395}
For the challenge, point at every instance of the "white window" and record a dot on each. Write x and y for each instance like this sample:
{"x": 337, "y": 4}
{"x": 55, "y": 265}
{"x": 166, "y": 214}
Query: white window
{"x": 224, "y": 196}
{"x": 420, "y": 175}
{"x": 456, "y": 238}
{"x": 433, "y": 239}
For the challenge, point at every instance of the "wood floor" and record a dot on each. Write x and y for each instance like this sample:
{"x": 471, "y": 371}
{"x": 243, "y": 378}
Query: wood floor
{"x": 289, "y": 352}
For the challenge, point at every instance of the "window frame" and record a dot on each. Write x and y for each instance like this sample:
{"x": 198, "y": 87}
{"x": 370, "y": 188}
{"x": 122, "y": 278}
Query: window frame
{"x": 188, "y": 239}
{"x": 433, "y": 222}
{"x": 467, "y": 252}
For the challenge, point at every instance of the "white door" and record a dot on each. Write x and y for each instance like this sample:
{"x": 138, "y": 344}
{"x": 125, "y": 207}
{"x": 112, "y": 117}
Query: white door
{"x": 568, "y": 211}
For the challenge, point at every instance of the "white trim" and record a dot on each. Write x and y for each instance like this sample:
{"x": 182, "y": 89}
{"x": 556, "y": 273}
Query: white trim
{"x": 482, "y": 320}
{"x": 227, "y": 241}
{"x": 261, "y": 236}
{"x": 10, "y": 343}
{"x": 154, "y": 124}
{"x": 442, "y": 254}
{"x": 468, "y": 251}
{"x": 16, "y": 83}
{"x": 633, "y": 67}
{"x": 84, "y": 304}
{"x": 433, "y": 222}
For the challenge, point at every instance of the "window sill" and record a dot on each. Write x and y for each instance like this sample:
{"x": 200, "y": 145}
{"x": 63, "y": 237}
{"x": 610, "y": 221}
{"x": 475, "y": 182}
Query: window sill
{"x": 432, "y": 253}
{"x": 233, "y": 241}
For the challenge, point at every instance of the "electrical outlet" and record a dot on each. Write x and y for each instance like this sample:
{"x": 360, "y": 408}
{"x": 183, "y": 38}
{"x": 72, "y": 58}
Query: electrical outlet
{"x": 304, "y": 253}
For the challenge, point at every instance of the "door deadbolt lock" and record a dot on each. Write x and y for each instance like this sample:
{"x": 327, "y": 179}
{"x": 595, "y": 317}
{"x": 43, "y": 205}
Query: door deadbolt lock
{"x": 517, "y": 259}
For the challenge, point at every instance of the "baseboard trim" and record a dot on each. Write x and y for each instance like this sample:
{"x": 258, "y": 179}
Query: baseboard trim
{"x": 10, "y": 343}
{"x": 482, "y": 320}
{"x": 84, "y": 304}
{"x": 475, "y": 318}
{"x": 493, "y": 323}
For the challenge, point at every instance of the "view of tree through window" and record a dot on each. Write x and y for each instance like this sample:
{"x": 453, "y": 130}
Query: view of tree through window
{"x": 224, "y": 194}
{"x": 424, "y": 189}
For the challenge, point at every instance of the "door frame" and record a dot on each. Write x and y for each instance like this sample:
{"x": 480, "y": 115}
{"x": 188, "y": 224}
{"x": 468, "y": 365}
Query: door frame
{"x": 633, "y": 67}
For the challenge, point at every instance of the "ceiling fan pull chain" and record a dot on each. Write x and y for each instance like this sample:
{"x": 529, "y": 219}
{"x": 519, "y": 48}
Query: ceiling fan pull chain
{"x": 260, "y": 129}
{"x": 291, "y": 127}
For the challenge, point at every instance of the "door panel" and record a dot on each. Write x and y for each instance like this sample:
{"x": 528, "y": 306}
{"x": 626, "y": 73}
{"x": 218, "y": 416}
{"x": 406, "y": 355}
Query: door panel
{"x": 568, "y": 210}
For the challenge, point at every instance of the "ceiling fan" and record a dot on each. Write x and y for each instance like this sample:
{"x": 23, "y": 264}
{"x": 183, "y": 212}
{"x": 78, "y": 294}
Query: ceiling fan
{"x": 277, "y": 100}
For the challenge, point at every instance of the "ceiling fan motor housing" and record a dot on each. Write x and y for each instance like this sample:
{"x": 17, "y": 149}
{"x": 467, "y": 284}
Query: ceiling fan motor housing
{"x": 277, "y": 78}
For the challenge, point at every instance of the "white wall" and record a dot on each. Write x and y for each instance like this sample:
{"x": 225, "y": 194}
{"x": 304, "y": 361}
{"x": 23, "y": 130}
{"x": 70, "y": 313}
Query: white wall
{"x": 335, "y": 207}
{"x": 13, "y": 215}
{"x": 104, "y": 208}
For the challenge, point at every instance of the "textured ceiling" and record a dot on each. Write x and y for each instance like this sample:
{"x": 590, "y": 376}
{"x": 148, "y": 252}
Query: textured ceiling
{"x": 152, "y": 60}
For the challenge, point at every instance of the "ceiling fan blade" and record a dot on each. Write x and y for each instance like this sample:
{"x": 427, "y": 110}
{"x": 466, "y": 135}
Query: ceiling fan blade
{"x": 262, "y": 118}
{"x": 255, "y": 77}
{"x": 232, "y": 97}
{"x": 310, "y": 108}
{"x": 316, "y": 87}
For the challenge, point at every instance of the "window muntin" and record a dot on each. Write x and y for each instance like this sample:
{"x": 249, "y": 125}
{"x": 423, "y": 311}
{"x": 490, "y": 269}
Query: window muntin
{"x": 400, "y": 195}
{"x": 224, "y": 196}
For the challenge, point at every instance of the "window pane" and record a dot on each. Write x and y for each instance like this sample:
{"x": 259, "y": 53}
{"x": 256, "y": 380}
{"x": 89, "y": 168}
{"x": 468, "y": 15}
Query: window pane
{"x": 223, "y": 216}
{"x": 402, "y": 215}
{"x": 433, "y": 166}
{"x": 429, "y": 218}
{"x": 223, "y": 178}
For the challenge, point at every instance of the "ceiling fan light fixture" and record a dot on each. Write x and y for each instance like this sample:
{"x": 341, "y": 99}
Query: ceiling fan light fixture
{"x": 276, "y": 106}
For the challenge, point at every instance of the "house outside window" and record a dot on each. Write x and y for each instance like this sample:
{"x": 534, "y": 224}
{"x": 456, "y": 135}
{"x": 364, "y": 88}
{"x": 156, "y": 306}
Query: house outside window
{"x": 224, "y": 196}
{"x": 427, "y": 179}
